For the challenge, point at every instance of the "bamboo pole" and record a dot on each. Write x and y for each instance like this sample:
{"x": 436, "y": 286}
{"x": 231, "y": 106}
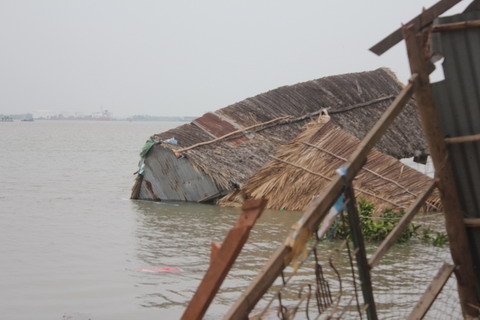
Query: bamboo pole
{"x": 455, "y": 227}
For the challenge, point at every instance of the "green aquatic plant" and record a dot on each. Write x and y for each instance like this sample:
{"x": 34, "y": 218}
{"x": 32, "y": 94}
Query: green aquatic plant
{"x": 375, "y": 229}
{"x": 437, "y": 239}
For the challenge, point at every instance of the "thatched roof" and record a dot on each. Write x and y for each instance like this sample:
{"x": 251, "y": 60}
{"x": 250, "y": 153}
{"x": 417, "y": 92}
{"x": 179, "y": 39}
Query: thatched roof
{"x": 301, "y": 169}
{"x": 229, "y": 145}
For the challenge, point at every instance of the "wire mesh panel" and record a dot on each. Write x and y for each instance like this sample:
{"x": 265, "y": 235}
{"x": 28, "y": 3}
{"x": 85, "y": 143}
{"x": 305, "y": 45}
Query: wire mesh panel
{"x": 325, "y": 284}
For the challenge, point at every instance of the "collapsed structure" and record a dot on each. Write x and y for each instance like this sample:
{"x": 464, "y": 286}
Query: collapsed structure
{"x": 216, "y": 154}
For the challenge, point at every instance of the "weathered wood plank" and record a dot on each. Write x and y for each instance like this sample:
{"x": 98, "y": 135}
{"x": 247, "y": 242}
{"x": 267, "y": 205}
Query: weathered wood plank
{"x": 318, "y": 209}
{"x": 456, "y": 26}
{"x": 429, "y": 296}
{"x": 223, "y": 259}
{"x": 420, "y": 21}
{"x": 455, "y": 227}
{"x": 472, "y": 222}
{"x": 472, "y": 138}
{"x": 400, "y": 227}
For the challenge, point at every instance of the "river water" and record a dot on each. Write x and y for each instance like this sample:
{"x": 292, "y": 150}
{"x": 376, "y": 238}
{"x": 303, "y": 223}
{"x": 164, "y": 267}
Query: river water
{"x": 74, "y": 246}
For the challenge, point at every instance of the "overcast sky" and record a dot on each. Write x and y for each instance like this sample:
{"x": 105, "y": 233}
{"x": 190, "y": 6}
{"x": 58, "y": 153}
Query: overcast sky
{"x": 184, "y": 57}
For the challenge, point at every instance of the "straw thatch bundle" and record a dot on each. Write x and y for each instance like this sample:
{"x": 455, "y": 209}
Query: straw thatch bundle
{"x": 229, "y": 145}
{"x": 301, "y": 169}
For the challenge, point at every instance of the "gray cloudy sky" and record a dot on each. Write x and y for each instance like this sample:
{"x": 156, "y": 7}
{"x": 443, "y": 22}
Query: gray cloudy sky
{"x": 184, "y": 57}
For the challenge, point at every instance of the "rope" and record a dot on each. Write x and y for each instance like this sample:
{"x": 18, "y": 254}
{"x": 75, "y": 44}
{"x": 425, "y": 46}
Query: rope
{"x": 284, "y": 120}
{"x": 178, "y": 151}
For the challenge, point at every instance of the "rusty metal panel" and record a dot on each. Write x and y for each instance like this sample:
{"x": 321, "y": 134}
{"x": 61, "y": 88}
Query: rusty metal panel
{"x": 219, "y": 127}
{"x": 458, "y": 100}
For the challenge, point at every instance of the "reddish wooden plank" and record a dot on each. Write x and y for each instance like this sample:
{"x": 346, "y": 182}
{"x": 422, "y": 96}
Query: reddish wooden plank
{"x": 218, "y": 127}
{"x": 224, "y": 259}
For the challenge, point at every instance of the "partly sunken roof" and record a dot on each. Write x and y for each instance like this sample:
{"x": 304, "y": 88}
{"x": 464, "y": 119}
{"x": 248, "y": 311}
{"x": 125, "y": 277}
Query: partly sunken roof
{"x": 301, "y": 169}
{"x": 229, "y": 145}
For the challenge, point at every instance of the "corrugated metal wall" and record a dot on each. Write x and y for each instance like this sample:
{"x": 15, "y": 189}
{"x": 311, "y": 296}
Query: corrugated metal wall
{"x": 458, "y": 101}
{"x": 169, "y": 178}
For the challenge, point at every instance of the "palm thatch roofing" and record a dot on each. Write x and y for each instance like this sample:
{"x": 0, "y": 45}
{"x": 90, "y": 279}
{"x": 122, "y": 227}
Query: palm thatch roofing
{"x": 301, "y": 169}
{"x": 229, "y": 145}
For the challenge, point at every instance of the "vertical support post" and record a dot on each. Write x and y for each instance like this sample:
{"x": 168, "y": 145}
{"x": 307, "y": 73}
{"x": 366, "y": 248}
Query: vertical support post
{"x": 455, "y": 227}
{"x": 360, "y": 253}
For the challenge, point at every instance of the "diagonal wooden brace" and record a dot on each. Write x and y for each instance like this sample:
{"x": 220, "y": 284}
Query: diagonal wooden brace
{"x": 223, "y": 259}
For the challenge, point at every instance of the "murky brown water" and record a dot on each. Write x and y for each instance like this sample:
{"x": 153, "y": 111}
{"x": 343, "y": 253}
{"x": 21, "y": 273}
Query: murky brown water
{"x": 72, "y": 245}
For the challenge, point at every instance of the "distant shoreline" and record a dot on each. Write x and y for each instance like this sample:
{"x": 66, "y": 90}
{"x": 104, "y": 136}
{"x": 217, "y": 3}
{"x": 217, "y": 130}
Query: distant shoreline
{"x": 23, "y": 117}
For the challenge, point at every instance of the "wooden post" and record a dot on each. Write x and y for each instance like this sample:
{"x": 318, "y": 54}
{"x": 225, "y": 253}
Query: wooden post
{"x": 223, "y": 259}
{"x": 360, "y": 253}
{"x": 455, "y": 227}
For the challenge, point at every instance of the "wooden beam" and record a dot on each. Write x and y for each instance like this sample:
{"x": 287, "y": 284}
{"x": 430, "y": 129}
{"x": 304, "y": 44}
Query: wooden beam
{"x": 463, "y": 139}
{"x": 360, "y": 254}
{"x": 400, "y": 227}
{"x": 455, "y": 227}
{"x": 456, "y": 26}
{"x": 472, "y": 222}
{"x": 223, "y": 259}
{"x": 419, "y": 22}
{"x": 431, "y": 293}
{"x": 317, "y": 210}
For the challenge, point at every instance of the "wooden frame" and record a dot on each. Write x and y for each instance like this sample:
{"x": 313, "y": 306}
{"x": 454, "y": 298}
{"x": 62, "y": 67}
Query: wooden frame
{"x": 455, "y": 227}
{"x": 318, "y": 210}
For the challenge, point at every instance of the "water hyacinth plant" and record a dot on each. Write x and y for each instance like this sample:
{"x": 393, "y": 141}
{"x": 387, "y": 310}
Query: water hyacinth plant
{"x": 376, "y": 229}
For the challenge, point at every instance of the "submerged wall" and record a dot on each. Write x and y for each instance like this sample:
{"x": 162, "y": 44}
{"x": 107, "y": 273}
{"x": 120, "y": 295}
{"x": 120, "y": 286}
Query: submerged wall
{"x": 166, "y": 177}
